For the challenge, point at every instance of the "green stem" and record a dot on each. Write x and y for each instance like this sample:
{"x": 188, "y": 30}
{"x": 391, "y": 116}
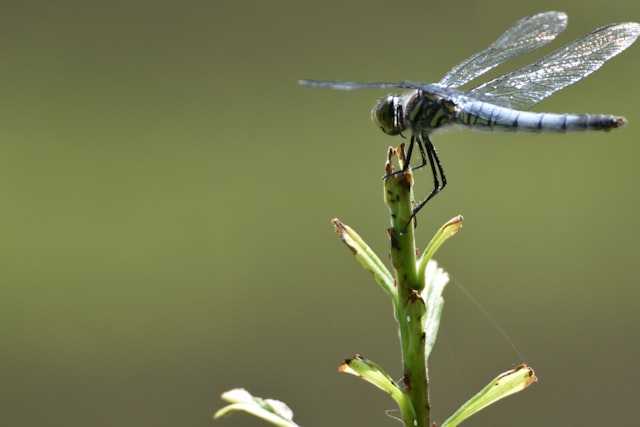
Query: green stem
{"x": 410, "y": 308}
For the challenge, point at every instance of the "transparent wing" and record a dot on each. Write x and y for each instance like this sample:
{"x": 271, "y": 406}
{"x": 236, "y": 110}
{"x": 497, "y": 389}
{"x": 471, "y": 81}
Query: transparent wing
{"x": 338, "y": 85}
{"x": 526, "y": 35}
{"x": 525, "y": 87}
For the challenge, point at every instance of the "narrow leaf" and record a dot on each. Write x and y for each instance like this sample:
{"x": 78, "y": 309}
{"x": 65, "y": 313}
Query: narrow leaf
{"x": 450, "y": 228}
{"x": 273, "y": 411}
{"x": 374, "y": 374}
{"x": 435, "y": 281}
{"x": 503, "y": 385}
{"x": 367, "y": 258}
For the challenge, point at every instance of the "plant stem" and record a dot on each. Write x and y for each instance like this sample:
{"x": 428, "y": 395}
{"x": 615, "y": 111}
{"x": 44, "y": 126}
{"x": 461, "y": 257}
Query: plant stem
{"x": 410, "y": 309}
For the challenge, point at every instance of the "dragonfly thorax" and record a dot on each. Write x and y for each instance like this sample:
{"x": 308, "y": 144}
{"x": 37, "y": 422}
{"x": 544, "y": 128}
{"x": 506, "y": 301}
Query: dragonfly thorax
{"x": 388, "y": 115}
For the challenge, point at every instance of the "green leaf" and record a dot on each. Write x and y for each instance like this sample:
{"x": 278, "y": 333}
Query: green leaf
{"x": 374, "y": 374}
{"x": 435, "y": 281}
{"x": 367, "y": 258}
{"x": 503, "y": 385}
{"x": 273, "y": 411}
{"x": 450, "y": 228}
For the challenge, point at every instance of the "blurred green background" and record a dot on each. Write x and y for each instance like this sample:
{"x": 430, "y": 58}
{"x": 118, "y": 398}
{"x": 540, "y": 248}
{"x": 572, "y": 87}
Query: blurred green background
{"x": 166, "y": 194}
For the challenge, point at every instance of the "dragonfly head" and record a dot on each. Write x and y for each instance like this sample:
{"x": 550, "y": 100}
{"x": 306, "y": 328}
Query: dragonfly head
{"x": 388, "y": 115}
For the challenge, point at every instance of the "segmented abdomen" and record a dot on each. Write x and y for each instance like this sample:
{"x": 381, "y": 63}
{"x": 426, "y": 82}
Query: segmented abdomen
{"x": 486, "y": 116}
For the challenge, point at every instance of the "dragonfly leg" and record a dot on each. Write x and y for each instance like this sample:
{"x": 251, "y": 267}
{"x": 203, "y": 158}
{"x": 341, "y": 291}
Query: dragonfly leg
{"x": 418, "y": 141}
{"x": 430, "y": 155}
{"x": 407, "y": 162}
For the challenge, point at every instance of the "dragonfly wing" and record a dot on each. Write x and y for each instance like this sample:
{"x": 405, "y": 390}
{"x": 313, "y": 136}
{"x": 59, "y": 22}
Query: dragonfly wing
{"x": 525, "y": 87}
{"x": 338, "y": 85}
{"x": 526, "y": 35}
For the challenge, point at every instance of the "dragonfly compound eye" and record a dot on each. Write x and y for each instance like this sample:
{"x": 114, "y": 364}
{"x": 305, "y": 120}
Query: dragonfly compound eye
{"x": 387, "y": 114}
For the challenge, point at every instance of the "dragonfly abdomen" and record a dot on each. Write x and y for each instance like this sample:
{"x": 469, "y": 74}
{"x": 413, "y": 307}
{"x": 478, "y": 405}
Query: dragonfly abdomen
{"x": 486, "y": 116}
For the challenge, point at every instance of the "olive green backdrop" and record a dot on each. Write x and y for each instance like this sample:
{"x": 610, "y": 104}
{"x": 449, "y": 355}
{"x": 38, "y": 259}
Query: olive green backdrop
{"x": 166, "y": 191}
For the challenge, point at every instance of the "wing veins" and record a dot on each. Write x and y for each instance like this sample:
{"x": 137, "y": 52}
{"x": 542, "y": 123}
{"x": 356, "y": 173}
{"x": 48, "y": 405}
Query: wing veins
{"x": 528, "y": 34}
{"x": 526, "y": 86}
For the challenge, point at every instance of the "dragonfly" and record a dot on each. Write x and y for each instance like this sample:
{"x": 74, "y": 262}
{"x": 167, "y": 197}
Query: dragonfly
{"x": 500, "y": 104}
